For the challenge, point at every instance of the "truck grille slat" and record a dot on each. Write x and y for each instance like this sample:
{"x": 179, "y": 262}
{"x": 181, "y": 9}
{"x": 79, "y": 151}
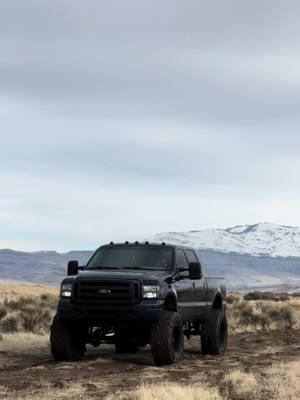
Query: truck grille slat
{"x": 105, "y": 292}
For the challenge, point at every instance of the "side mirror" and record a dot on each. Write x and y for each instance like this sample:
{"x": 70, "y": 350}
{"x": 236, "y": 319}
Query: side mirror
{"x": 195, "y": 270}
{"x": 73, "y": 267}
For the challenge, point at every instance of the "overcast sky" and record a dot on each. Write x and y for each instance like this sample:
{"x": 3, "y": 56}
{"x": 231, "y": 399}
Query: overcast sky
{"x": 122, "y": 119}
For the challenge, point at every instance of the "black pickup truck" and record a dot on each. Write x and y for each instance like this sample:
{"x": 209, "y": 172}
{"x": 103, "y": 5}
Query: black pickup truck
{"x": 134, "y": 294}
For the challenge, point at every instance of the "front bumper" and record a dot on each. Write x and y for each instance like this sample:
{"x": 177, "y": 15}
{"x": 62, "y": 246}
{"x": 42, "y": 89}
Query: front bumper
{"x": 146, "y": 312}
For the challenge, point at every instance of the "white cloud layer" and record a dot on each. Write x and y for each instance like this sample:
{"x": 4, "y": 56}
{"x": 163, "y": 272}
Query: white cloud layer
{"x": 120, "y": 120}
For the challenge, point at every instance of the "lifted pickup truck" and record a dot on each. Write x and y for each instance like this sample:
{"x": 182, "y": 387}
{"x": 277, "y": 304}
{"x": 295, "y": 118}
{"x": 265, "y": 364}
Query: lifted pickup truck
{"x": 134, "y": 294}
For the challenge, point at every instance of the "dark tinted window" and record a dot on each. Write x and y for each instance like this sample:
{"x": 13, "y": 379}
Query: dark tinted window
{"x": 181, "y": 259}
{"x": 137, "y": 257}
{"x": 191, "y": 256}
{"x": 182, "y": 262}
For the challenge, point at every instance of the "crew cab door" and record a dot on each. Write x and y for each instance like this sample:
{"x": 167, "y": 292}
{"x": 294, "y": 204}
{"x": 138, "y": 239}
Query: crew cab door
{"x": 184, "y": 287}
{"x": 199, "y": 289}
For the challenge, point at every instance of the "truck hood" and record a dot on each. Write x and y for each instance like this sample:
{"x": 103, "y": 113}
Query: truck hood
{"x": 143, "y": 275}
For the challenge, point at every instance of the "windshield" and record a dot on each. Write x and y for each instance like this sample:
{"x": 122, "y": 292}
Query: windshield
{"x": 132, "y": 257}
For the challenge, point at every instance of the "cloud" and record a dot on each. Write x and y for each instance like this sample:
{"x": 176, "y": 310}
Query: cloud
{"x": 174, "y": 116}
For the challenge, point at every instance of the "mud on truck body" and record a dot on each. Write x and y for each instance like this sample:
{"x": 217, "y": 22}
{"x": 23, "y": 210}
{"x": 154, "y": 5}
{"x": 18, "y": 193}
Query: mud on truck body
{"x": 136, "y": 294}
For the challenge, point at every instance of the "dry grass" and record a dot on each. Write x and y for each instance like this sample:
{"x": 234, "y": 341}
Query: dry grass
{"x": 168, "y": 391}
{"x": 26, "y": 308}
{"x": 48, "y": 392}
{"x": 16, "y": 289}
{"x": 240, "y": 385}
{"x": 280, "y": 382}
{"x": 267, "y": 296}
{"x": 258, "y": 315}
{"x": 276, "y": 383}
{"x": 23, "y": 343}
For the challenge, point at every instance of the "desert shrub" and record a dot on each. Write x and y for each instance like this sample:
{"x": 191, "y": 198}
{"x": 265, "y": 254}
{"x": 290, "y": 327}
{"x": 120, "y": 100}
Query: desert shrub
{"x": 3, "y": 311}
{"x": 232, "y": 298}
{"x": 35, "y": 320}
{"x": 168, "y": 391}
{"x": 19, "y": 303}
{"x": 9, "y": 324}
{"x": 296, "y": 294}
{"x": 276, "y": 383}
{"x": 28, "y": 313}
{"x": 49, "y": 300}
{"x": 239, "y": 385}
{"x": 256, "y": 295}
{"x": 283, "y": 314}
{"x": 251, "y": 316}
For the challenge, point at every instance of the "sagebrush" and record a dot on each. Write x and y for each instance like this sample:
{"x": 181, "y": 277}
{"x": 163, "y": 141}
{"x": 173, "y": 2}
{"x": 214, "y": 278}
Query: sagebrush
{"x": 27, "y": 313}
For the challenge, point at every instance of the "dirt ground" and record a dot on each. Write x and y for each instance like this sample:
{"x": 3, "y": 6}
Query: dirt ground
{"x": 25, "y": 364}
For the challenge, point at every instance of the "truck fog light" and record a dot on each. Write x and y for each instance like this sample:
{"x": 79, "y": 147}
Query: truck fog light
{"x": 150, "y": 292}
{"x": 66, "y": 290}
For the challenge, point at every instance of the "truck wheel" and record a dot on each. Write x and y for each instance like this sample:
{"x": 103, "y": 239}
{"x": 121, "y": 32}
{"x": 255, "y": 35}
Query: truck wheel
{"x": 65, "y": 344}
{"x": 214, "y": 334}
{"x": 167, "y": 339}
{"x": 124, "y": 346}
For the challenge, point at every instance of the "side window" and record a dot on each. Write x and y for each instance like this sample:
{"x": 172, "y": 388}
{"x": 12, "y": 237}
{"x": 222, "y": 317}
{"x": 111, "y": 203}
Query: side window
{"x": 182, "y": 262}
{"x": 191, "y": 256}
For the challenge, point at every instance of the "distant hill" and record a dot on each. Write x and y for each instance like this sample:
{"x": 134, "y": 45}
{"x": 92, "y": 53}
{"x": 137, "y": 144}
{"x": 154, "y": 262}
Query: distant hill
{"x": 263, "y": 256}
{"x": 45, "y": 267}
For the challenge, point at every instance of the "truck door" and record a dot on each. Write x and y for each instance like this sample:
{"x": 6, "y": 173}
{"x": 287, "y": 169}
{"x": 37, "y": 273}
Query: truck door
{"x": 199, "y": 289}
{"x": 184, "y": 287}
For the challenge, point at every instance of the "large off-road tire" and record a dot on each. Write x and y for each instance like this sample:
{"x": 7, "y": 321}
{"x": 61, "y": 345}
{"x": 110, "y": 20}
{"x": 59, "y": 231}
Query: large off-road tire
{"x": 167, "y": 339}
{"x": 124, "y": 345}
{"x": 66, "y": 344}
{"x": 214, "y": 333}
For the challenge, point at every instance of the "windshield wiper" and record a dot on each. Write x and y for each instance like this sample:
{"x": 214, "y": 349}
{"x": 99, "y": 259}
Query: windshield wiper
{"x": 142, "y": 268}
{"x": 103, "y": 268}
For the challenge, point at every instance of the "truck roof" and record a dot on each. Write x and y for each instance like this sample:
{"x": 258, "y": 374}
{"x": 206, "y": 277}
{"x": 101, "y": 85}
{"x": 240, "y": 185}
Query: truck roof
{"x": 146, "y": 243}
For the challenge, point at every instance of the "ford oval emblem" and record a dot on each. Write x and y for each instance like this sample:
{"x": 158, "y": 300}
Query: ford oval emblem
{"x": 104, "y": 291}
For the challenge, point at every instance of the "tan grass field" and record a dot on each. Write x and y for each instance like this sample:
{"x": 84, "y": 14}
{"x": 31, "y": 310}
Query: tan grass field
{"x": 262, "y": 362}
{"x": 9, "y": 289}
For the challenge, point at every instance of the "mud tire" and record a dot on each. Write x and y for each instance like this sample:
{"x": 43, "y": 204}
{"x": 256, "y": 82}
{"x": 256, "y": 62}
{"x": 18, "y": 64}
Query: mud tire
{"x": 214, "y": 334}
{"x": 167, "y": 339}
{"x": 65, "y": 344}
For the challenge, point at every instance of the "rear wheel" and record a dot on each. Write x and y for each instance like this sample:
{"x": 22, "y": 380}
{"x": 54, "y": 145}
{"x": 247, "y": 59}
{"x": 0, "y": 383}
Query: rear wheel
{"x": 167, "y": 339}
{"x": 214, "y": 334}
{"x": 66, "y": 344}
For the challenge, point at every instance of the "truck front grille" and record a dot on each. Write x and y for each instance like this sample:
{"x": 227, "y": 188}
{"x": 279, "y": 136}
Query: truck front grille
{"x": 109, "y": 292}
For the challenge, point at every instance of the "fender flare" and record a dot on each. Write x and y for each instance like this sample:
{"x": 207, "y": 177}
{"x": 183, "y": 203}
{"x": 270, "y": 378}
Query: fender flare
{"x": 170, "y": 301}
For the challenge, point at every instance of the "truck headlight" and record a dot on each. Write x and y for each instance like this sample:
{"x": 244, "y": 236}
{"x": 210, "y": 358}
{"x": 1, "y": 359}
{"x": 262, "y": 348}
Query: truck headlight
{"x": 66, "y": 290}
{"x": 150, "y": 292}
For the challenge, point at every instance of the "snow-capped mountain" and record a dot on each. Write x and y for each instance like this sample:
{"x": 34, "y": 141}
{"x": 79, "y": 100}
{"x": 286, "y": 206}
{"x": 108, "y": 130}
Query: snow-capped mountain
{"x": 260, "y": 239}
